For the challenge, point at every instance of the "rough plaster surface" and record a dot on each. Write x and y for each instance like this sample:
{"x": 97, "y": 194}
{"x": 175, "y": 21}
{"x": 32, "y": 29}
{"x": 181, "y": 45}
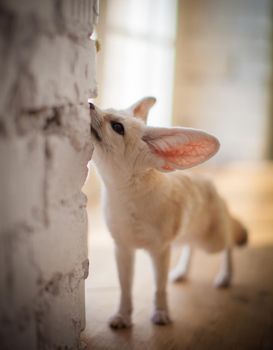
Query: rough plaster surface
{"x": 47, "y": 70}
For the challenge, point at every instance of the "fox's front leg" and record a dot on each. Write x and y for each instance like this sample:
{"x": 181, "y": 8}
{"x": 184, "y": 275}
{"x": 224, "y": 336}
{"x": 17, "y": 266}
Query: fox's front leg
{"x": 161, "y": 260}
{"x": 125, "y": 265}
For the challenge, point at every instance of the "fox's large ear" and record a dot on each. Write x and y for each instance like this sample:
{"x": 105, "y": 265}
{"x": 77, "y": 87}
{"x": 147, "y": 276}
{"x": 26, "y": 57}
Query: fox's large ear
{"x": 179, "y": 148}
{"x": 141, "y": 108}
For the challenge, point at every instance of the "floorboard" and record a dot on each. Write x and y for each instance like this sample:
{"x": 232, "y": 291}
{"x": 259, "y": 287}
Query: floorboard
{"x": 203, "y": 317}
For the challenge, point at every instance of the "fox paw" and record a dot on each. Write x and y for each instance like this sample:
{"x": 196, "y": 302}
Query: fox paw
{"x": 177, "y": 276}
{"x": 119, "y": 321}
{"x": 222, "y": 281}
{"x": 161, "y": 317}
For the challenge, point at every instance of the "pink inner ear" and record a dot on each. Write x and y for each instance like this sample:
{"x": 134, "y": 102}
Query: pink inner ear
{"x": 183, "y": 149}
{"x": 186, "y": 155}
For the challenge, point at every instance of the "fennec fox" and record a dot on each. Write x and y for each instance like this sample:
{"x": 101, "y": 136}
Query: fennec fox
{"x": 147, "y": 204}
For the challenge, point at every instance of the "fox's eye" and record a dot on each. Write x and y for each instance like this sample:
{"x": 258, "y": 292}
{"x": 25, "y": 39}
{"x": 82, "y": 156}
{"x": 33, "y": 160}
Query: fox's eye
{"x": 118, "y": 128}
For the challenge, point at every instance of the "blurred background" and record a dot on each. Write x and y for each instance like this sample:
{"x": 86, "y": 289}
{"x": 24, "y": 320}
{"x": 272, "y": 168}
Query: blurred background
{"x": 209, "y": 64}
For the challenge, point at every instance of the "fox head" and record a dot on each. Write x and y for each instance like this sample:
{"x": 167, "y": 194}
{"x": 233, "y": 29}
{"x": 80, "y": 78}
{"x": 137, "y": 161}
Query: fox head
{"x": 126, "y": 145}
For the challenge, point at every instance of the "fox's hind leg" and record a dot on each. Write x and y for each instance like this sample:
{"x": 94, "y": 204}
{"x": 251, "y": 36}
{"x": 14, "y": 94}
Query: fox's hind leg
{"x": 181, "y": 270}
{"x": 223, "y": 279}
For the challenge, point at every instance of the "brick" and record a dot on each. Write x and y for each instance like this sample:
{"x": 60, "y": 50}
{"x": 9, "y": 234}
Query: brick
{"x": 68, "y": 73}
{"x": 41, "y": 64}
{"x": 22, "y": 180}
{"x": 63, "y": 244}
{"x": 47, "y": 68}
{"x": 61, "y": 333}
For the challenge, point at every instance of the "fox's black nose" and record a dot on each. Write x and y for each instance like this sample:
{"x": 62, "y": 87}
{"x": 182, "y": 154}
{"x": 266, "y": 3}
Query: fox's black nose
{"x": 91, "y": 106}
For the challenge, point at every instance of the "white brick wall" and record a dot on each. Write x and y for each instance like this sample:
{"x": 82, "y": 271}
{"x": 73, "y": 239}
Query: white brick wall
{"x": 47, "y": 69}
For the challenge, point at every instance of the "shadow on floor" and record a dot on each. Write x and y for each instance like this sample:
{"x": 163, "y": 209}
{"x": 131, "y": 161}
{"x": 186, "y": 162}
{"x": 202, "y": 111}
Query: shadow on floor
{"x": 204, "y": 318}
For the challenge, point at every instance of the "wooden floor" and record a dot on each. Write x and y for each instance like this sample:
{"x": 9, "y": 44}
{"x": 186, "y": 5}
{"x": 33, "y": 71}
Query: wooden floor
{"x": 203, "y": 318}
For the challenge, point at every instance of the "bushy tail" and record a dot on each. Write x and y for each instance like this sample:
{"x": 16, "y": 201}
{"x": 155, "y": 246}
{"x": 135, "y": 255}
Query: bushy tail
{"x": 240, "y": 233}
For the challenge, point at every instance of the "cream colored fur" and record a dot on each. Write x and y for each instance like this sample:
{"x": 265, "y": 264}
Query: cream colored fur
{"x": 147, "y": 208}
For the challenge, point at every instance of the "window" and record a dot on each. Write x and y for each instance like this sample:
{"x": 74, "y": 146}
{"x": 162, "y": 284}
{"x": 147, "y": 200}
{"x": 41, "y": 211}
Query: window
{"x": 137, "y": 57}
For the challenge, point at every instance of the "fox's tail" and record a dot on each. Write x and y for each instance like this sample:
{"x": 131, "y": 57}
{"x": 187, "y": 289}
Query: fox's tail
{"x": 240, "y": 233}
